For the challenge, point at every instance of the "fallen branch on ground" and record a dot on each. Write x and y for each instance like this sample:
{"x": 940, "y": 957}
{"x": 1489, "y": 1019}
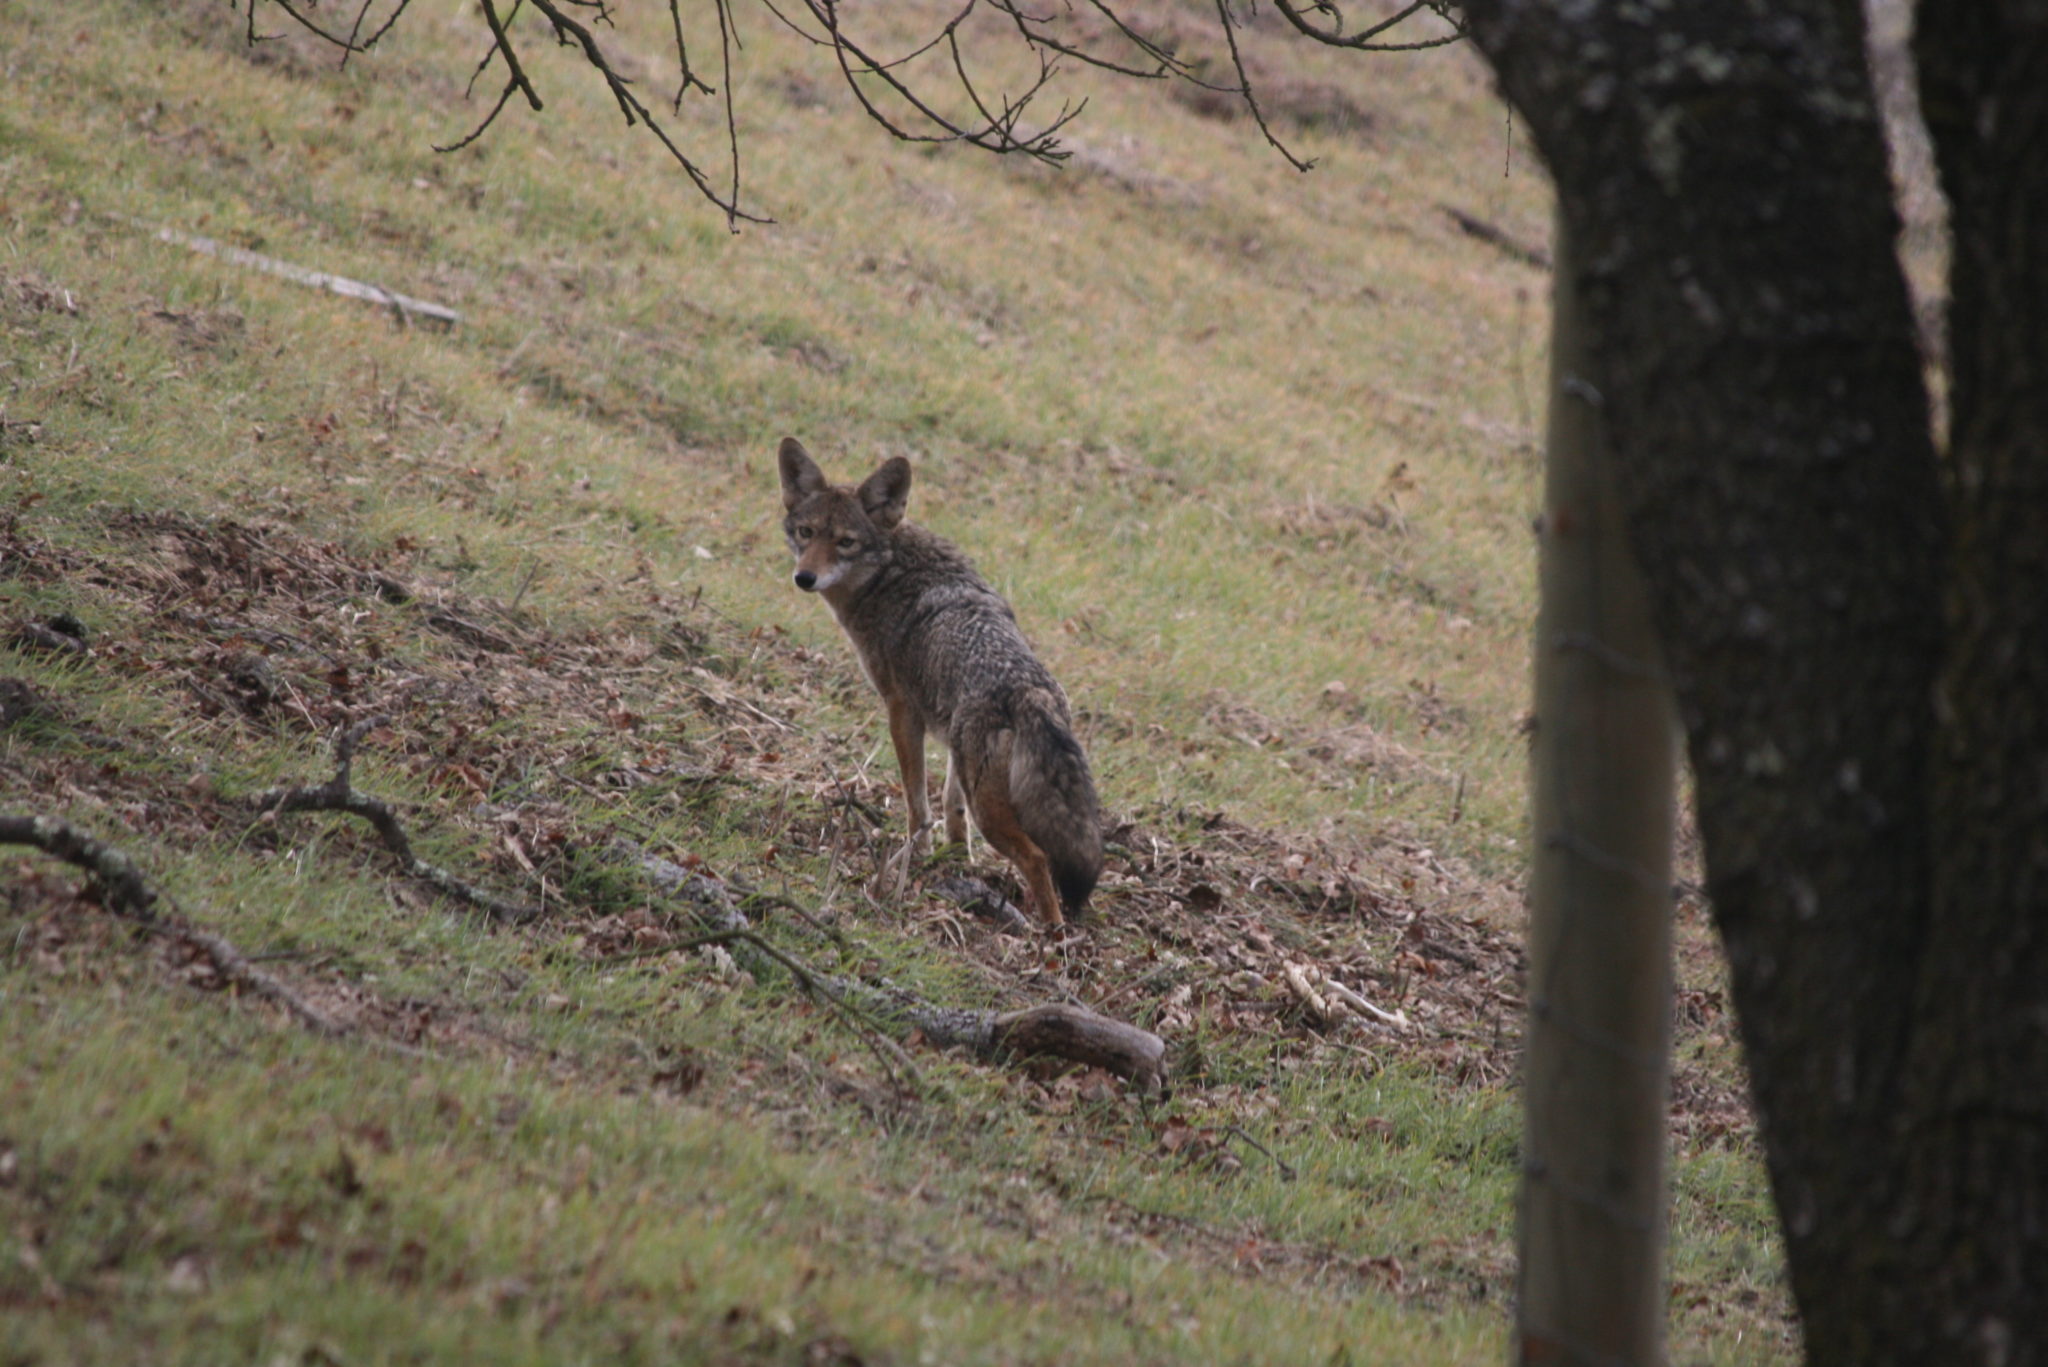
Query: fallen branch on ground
{"x": 129, "y": 896}
{"x": 403, "y": 307}
{"x": 1304, "y": 991}
{"x": 1331, "y": 1002}
{"x": 1494, "y": 236}
{"x": 339, "y": 795}
{"x": 1065, "y": 1032}
{"x": 1340, "y": 993}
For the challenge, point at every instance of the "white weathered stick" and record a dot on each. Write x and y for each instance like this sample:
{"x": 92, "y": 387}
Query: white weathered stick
{"x": 405, "y": 306}
{"x": 1344, "y": 995}
{"x": 1298, "y": 983}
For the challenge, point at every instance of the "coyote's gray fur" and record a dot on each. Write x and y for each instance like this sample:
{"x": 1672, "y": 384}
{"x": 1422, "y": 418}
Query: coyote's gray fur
{"x": 944, "y": 651}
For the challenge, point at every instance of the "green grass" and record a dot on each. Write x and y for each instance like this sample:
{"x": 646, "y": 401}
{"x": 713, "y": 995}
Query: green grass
{"x": 1226, "y": 435}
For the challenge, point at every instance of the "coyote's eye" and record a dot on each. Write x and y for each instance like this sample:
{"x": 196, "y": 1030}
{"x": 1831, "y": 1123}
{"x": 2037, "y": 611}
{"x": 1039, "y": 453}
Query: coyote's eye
{"x": 849, "y": 543}
{"x": 804, "y": 533}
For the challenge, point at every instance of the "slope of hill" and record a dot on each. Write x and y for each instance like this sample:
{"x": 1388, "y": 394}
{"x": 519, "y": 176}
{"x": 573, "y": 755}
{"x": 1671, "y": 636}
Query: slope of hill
{"x": 1250, "y": 451}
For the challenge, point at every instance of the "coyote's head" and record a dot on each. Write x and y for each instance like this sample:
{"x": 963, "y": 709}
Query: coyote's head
{"x": 840, "y": 535}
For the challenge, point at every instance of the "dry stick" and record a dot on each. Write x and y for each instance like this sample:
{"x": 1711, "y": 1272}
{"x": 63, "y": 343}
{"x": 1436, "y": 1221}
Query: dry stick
{"x": 1345, "y": 996}
{"x": 1297, "y": 981}
{"x": 338, "y": 795}
{"x": 1239, "y": 1132}
{"x": 403, "y": 306}
{"x": 130, "y": 897}
{"x": 1068, "y": 1032}
{"x": 1495, "y": 236}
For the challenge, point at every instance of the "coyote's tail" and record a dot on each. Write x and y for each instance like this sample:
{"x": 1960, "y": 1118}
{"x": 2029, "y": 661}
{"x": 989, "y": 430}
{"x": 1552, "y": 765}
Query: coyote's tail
{"x": 1054, "y": 798}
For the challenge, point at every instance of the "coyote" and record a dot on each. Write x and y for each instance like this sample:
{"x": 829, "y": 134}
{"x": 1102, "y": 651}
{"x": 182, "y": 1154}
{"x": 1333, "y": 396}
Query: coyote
{"x": 944, "y": 651}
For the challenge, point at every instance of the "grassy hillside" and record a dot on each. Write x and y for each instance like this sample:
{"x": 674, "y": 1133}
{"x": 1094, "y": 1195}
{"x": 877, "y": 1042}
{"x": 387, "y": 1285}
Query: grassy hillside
{"x": 1250, "y": 451}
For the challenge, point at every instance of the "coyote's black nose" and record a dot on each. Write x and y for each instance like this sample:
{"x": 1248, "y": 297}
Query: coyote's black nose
{"x": 806, "y": 581}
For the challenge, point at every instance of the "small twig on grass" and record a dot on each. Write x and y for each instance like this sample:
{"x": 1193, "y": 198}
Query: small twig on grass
{"x": 1331, "y": 1002}
{"x": 751, "y": 900}
{"x": 1495, "y": 236}
{"x": 873, "y": 816}
{"x": 1238, "y": 1132}
{"x": 129, "y": 896}
{"x": 339, "y": 795}
{"x": 815, "y": 984}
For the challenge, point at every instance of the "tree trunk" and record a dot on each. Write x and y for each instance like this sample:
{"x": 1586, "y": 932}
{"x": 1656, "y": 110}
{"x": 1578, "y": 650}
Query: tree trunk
{"x": 1970, "y": 1223}
{"x": 1721, "y": 171}
{"x": 1597, "y": 1060}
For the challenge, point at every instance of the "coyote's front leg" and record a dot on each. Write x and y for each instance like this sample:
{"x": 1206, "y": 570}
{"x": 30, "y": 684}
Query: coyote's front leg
{"x": 906, "y": 732}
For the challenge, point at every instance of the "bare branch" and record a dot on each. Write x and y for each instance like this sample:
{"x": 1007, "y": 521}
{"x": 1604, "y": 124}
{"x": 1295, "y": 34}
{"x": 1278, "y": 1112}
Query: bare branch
{"x": 130, "y": 896}
{"x": 367, "y": 43}
{"x": 571, "y": 33}
{"x": 1244, "y": 88}
{"x": 1362, "y": 41}
{"x": 306, "y": 22}
{"x": 504, "y": 98}
{"x": 996, "y": 135}
{"x": 908, "y": 106}
{"x": 339, "y": 795}
{"x": 728, "y": 38}
{"x": 511, "y": 57}
{"x": 689, "y": 79}
{"x": 1162, "y": 68}
{"x": 490, "y": 52}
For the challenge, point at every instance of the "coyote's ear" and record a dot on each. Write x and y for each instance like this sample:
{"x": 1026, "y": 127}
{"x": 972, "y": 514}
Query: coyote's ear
{"x": 883, "y": 494}
{"x": 801, "y": 476}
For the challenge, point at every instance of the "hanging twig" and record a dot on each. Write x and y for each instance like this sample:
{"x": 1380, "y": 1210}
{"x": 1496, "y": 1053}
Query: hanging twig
{"x": 1362, "y": 41}
{"x": 1244, "y": 88}
{"x": 996, "y": 125}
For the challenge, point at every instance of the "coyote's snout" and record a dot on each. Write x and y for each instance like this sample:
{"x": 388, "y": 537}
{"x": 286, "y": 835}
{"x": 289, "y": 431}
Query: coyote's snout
{"x": 944, "y": 651}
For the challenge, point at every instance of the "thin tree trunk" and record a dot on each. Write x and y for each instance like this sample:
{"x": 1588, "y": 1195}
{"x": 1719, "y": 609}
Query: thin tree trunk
{"x": 1597, "y": 1060}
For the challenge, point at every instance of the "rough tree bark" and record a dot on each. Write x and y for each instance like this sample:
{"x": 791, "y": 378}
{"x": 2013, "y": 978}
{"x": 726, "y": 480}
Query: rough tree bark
{"x": 1596, "y": 1066}
{"x": 1970, "y": 1215}
{"x": 1875, "y": 850}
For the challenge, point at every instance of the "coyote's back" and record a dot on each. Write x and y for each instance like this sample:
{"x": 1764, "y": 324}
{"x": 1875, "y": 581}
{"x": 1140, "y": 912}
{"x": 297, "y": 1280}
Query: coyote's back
{"x": 944, "y": 651}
